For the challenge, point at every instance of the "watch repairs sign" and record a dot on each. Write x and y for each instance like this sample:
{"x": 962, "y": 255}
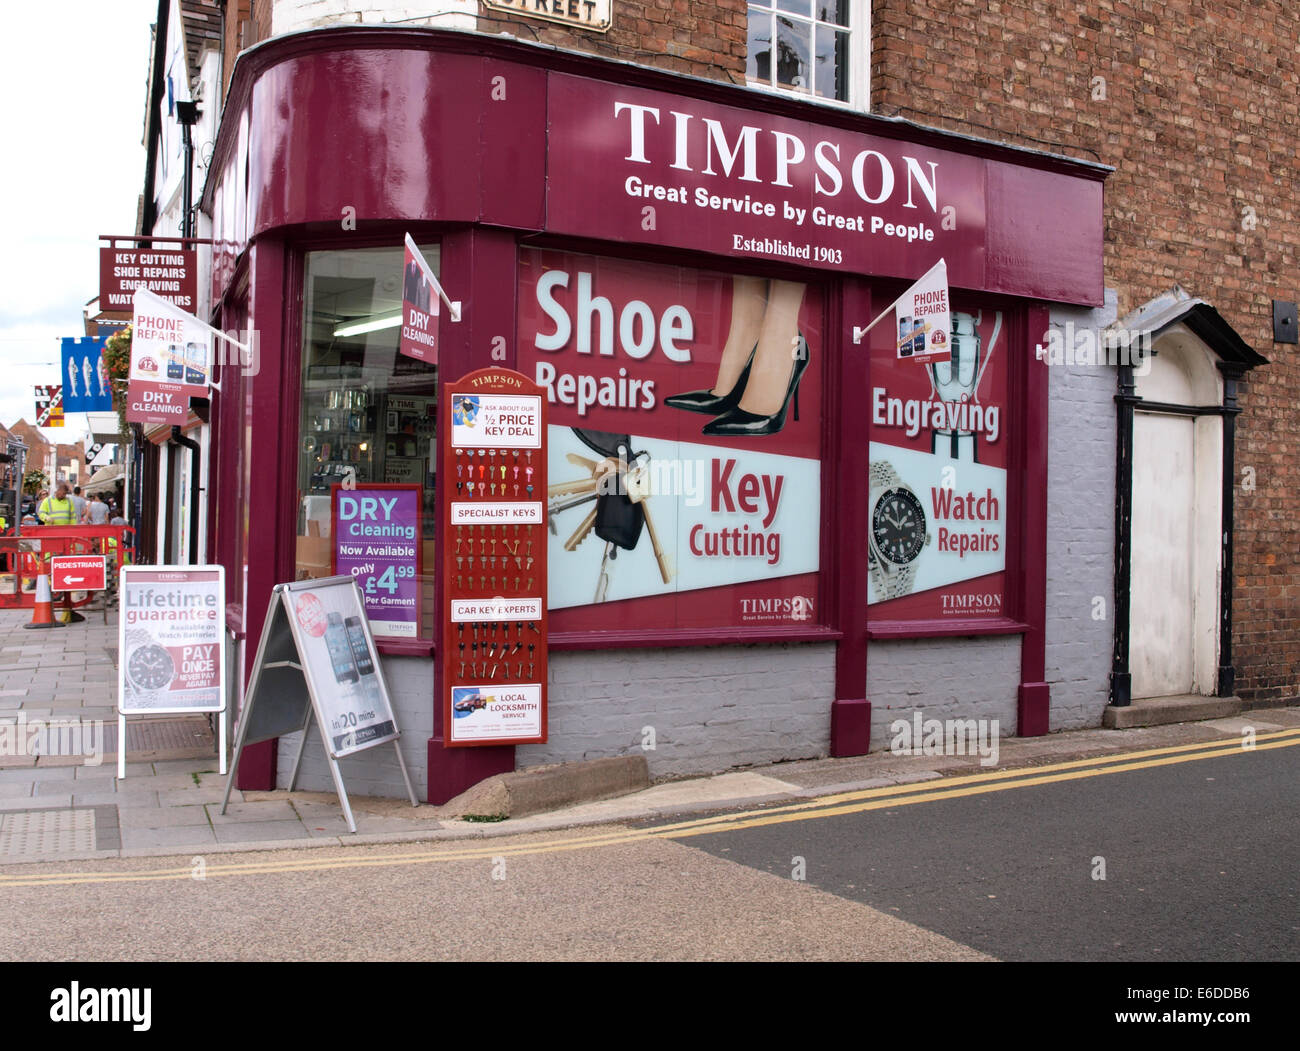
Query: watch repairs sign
{"x": 595, "y": 15}
{"x": 377, "y": 541}
{"x": 937, "y": 485}
{"x": 171, "y": 640}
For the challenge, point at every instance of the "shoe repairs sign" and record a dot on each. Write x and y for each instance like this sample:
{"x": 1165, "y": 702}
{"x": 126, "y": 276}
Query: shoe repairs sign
{"x": 685, "y": 434}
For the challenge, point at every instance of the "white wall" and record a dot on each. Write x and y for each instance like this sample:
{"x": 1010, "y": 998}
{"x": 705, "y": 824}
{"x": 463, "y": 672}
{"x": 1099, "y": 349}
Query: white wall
{"x": 1080, "y": 527}
{"x": 290, "y": 15}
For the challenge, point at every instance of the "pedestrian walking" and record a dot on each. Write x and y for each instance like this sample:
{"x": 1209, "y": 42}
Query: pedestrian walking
{"x": 78, "y": 504}
{"x": 96, "y": 511}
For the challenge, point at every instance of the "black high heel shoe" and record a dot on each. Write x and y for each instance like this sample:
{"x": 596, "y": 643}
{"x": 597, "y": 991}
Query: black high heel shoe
{"x": 711, "y": 404}
{"x": 740, "y": 422}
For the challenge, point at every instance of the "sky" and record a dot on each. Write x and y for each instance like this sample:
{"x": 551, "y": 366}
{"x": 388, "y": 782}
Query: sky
{"x": 73, "y": 80}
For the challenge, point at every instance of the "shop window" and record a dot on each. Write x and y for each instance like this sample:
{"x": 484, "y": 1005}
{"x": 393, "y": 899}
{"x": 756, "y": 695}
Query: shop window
{"x": 816, "y": 48}
{"x": 942, "y": 495}
{"x": 685, "y": 446}
{"x": 367, "y": 427}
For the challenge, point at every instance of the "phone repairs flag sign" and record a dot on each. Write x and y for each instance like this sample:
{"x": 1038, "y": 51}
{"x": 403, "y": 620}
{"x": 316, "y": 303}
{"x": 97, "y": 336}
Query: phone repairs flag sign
{"x": 171, "y": 361}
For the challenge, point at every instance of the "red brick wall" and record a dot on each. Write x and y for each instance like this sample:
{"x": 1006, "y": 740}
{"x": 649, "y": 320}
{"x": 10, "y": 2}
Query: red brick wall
{"x": 1199, "y": 118}
{"x": 703, "y": 39}
{"x": 235, "y": 15}
{"x": 261, "y": 21}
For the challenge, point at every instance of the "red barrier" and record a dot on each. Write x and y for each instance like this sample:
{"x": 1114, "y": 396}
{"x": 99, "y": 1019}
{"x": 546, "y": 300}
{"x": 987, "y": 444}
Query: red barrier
{"x": 22, "y": 558}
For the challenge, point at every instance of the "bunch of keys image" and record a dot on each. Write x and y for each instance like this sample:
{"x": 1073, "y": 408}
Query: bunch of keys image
{"x": 619, "y": 485}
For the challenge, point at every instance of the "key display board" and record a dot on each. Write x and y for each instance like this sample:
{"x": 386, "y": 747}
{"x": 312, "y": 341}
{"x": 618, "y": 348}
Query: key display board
{"x": 493, "y": 596}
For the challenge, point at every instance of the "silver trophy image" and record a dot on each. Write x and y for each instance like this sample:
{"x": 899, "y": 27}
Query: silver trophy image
{"x": 957, "y": 379}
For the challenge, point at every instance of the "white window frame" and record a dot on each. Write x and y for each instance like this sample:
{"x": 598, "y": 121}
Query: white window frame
{"x": 859, "y": 62}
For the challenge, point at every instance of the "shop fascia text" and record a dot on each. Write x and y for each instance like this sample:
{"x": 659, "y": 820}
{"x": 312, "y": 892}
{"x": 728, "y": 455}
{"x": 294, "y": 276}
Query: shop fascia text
{"x": 639, "y": 333}
{"x": 872, "y": 175}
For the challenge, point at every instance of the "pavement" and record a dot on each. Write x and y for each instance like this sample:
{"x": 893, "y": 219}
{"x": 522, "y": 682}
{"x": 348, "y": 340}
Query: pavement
{"x": 70, "y": 807}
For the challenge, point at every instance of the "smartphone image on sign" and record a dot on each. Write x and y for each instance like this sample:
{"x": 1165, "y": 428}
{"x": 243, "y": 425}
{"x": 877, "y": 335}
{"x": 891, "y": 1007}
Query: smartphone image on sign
{"x": 340, "y": 650}
{"x": 194, "y": 363}
{"x": 360, "y": 650}
{"x": 175, "y": 367}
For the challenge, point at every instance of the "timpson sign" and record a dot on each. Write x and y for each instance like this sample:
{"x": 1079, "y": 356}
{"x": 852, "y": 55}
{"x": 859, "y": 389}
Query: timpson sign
{"x": 640, "y": 166}
{"x": 581, "y": 14}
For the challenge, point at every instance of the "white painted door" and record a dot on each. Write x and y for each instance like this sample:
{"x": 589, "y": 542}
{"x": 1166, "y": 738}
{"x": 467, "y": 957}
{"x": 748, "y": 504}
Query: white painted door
{"x": 1162, "y": 594}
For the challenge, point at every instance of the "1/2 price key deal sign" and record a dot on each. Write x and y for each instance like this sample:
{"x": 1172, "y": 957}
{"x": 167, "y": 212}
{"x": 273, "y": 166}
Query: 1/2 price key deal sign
{"x": 377, "y": 539}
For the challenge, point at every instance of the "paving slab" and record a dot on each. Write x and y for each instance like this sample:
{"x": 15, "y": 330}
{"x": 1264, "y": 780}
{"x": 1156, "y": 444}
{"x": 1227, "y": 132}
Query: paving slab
{"x": 183, "y": 836}
{"x": 10, "y": 775}
{"x": 19, "y": 803}
{"x": 236, "y": 813}
{"x": 131, "y": 797}
{"x": 248, "y": 831}
{"x": 138, "y": 817}
{"x": 193, "y": 796}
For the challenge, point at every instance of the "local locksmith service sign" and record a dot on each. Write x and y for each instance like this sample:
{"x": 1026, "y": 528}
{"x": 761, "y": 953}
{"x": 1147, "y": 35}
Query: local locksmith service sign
{"x": 171, "y": 640}
{"x": 377, "y": 541}
{"x": 937, "y": 481}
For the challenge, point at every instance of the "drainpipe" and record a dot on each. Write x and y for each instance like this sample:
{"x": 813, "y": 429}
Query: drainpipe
{"x": 187, "y": 113}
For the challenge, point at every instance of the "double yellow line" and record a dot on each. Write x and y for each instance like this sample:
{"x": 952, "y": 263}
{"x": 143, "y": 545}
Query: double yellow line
{"x": 812, "y": 809}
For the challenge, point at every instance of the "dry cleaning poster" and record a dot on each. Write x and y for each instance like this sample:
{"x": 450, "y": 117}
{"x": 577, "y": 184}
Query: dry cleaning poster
{"x": 937, "y": 484}
{"x": 685, "y": 428}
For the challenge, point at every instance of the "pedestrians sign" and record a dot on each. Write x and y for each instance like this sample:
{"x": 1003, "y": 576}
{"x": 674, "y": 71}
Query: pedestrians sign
{"x": 317, "y": 657}
{"x": 77, "y": 573}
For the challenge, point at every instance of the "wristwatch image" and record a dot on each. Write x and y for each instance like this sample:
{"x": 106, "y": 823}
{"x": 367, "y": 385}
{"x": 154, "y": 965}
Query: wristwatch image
{"x": 898, "y": 533}
{"x": 149, "y": 667}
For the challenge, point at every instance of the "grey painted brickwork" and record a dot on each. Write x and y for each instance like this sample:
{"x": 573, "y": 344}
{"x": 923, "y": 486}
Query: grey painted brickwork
{"x": 711, "y": 708}
{"x": 374, "y": 772}
{"x": 1080, "y": 527}
{"x": 946, "y": 678}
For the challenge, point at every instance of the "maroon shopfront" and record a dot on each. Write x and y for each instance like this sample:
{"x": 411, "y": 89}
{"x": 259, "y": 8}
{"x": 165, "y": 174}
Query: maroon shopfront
{"x": 685, "y": 268}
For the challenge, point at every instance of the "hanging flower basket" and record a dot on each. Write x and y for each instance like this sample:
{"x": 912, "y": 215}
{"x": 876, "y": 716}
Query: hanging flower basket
{"x": 117, "y": 360}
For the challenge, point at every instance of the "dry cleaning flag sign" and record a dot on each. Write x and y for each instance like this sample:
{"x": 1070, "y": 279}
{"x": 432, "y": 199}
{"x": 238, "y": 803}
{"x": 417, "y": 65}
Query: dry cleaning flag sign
{"x": 924, "y": 318}
{"x": 420, "y": 291}
{"x": 171, "y": 361}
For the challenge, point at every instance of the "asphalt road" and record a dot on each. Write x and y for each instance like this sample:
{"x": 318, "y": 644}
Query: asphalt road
{"x": 1200, "y": 862}
{"x": 1200, "y": 859}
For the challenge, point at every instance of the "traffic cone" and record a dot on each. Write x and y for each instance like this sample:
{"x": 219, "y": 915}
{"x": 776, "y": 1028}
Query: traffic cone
{"x": 43, "y": 611}
{"x": 66, "y": 613}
